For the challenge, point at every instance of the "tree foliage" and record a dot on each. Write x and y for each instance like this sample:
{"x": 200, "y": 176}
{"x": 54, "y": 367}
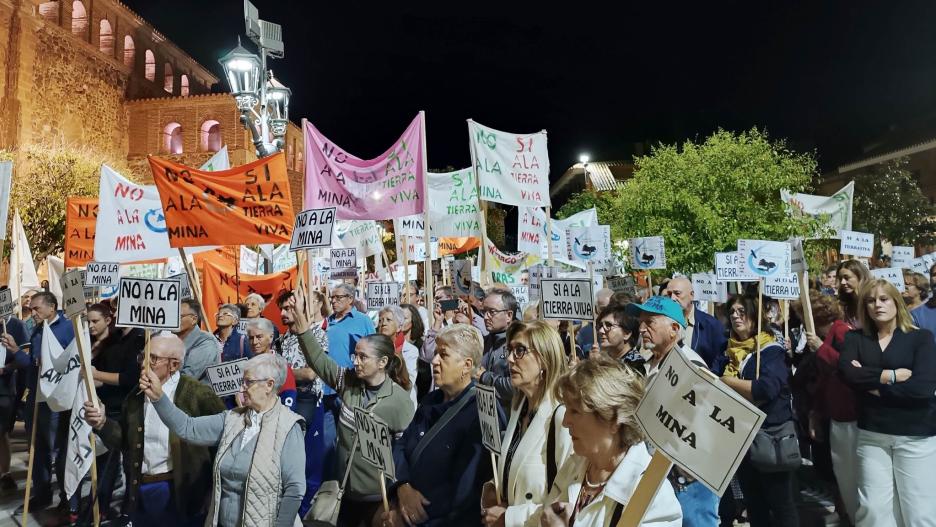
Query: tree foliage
{"x": 890, "y": 205}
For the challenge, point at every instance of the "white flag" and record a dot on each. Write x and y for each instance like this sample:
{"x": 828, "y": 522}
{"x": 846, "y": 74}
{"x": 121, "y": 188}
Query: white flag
{"x": 512, "y": 168}
{"x": 219, "y": 161}
{"x": 363, "y": 235}
{"x": 56, "y": 267}
{"x": 78, "y": 459}
{"x": 6, "y": 185}
{"x": 60, "y": 372}
{"x": 838, "y": 206}
{"x": 22, "y": 269}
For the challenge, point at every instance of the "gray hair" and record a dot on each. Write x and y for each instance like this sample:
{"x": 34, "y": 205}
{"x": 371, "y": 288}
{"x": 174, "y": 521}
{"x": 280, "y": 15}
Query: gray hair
{"x": 508, "y": 299}
{"x": 268, "y": 366}
{"x": 172, "y": 344}
{"x": 464, "y": 339}
{"x": 397, "y": 314}
{"x": 232, "y": 309}
{"x": 262, "y": 324}
{"x": 347, "y": 289}
{"x": 258, "y": 298}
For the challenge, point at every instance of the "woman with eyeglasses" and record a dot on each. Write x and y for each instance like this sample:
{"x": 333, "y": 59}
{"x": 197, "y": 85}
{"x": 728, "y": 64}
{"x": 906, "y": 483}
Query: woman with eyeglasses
{"x": 535, "y": 444}
{"x": 390, "y": 322}
{"x": 619, "y": 335}
{"x": 377, "y": 382}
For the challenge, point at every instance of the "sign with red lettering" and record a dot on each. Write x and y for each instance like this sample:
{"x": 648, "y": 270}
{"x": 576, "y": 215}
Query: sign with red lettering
{"x": 512, "y": 168}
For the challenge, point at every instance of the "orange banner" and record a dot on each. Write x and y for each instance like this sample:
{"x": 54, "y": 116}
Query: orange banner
{"x": 245, "y": 205}
{"x": 457, "y": 245}
{"x": 222, "y": 285}
{"x": 80, "y": 225}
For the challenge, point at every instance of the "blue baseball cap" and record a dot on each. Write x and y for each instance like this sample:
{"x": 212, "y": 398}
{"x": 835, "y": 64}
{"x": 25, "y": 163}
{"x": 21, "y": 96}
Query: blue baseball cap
{"x": 659, "y": 305}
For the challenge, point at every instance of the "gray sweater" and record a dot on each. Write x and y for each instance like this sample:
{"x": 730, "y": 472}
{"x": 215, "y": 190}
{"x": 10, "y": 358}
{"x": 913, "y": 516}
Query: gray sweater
{"x": 201, "y": 350}
{"x": 235, "y": 465}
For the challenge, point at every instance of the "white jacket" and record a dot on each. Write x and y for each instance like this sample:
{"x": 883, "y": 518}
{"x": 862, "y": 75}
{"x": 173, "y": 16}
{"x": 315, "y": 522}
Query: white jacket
{"x": 664, "y": 510}
{"x": 526, "y": 484}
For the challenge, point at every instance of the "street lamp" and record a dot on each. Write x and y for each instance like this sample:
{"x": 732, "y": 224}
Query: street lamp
{"x": 278, "y": 106}
{"x": 242, "y": 71}
{"x": 583, "y": 159}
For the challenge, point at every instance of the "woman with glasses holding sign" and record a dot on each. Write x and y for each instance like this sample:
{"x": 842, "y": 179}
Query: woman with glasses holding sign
{"x": 535, "y": 443}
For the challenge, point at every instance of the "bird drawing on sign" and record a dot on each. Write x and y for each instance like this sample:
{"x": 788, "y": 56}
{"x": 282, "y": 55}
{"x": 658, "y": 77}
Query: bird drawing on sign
{"x": 587, "y": 250}
{"x": 645, "y": 259}
{"x": 765, "y": 265}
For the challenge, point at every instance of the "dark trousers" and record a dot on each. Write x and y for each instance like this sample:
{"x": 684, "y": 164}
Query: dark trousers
{"x": 357, "y": 513}
{"x": 768, "y": 496}
{"x": 332, "y": 418}
{"x": 51, "y": 443}
{"x": 157, "y": 508}
{"x": 312, "y": 410}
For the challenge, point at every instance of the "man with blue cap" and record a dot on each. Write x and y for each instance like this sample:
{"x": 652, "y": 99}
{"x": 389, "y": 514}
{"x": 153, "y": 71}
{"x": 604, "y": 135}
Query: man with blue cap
{"x": 662, "y": 328}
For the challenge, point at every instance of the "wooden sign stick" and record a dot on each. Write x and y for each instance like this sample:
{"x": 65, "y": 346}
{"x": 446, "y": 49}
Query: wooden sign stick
{"x": 195, "y": 286}
{"x": 646, "y": 489}
{"x": 497, "y": 485}
{"x": 760, "y": 315}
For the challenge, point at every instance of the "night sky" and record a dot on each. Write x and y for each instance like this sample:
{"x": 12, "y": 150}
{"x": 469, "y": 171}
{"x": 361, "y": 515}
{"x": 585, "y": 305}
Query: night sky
{"x": 829, "y": 76}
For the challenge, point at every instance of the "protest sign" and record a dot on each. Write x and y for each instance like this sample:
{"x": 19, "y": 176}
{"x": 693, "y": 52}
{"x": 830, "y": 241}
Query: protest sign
{"x": 226, "y": 378}
{"x": 512, "y": 168}
{"x": 243, "y": 323}
{"x": 6, "y": 184}
{"x": 648, "y": 253}
{"x": 245, "y": 205}
{"x": 521, "y": 293}
{"x": 918, "y": 265}
{"x": 698, "y": 422}
{"x": 223, "y": 285}
{"x": 506, "y": 268}
{"x": 726, "y": 266}
{"x": 706, "y": 288}
{"x": 416, "y": 248}
{"x": 490, "y": 419}
{"x": 894, "y": 275}
{"x": 149, "y": 304}
{"x": 858, "y": 244}
{"x": 80, "y": 225}
{"x": 567, "y": 299}
{"x": 101, "y": 274}
{"x": 73, "y": 294}
{"x": 782, "y": 286}
{"x": 382, "y": 294}
{"x": 185, "y": 289}
{"x": 798, "y": 262}
{"x": 622, "y": 284}
{"x": 901, "y": 256}
{"x": 376, "y": 441}
{"x": 6, "y": 303}
{"x": 461, "y": 276}
{"x": 762, "y": 258}
{"x": 589, "y": 244}
{"x": 364, "y": 235}
{"x": 837, "y": 208}
{"x": 343, "y": 263}
{"x": 388, "y": 186}
{"x": 532, "y": 234}
{"x": 453, "y": 208}
{"x": 313, "y": 228}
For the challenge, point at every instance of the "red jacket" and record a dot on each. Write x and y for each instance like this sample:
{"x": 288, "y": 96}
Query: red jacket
{"x": 834, "y": 399}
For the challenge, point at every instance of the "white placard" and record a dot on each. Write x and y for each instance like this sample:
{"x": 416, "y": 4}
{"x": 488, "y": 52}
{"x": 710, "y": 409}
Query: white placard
{"x": 568, "y": 299}
{"x": 6, "y": 302}
{"x": 149, "y": 304}
{"x": 782, "y": 286}
{"x": 698, "y": 422}
{"x": 762, "y": 258}
{"x": 73, "y": 293}
{"x": 726, "y": 267}
{"x": 314, "y": 228}
{"x": 648, "y": 253}
{"x": 490, "y": 419}
{"x": 343, "y": 263}
{"x": 383, "y": 294}
{"x": 589, "y": 244}
{"x": 226, "y": 378}
{"x": 376, "y": 441}
{"x": 798, "y": 262}
{"x": 622, "y": 284}
{"x": 901, "y": 256}
{"x": 101, "y": 274}
{"x": 893, "y": 275}
{"x": 185, "y": 289}
{"x": 706, "y": 288}
{"x": 521, "y": 293}
{"x": 860, "y": 244}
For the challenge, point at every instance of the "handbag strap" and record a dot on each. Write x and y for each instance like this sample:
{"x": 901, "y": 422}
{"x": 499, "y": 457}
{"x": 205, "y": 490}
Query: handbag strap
{"x": 439, "y": 425}
{"x": 551, "y": 451}
{"x": 347, "y": 471}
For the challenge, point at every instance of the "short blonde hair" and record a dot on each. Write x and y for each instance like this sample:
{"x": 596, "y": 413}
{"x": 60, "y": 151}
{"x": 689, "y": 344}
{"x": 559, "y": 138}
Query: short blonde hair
{"x": 608, "y": 389}
{"x": 464, "y": 339}
{"x": 545, "y": 341}
{"x": 904, "y": 320}
{"x": 170, "y": 343}
{"x": 531, "y": 311}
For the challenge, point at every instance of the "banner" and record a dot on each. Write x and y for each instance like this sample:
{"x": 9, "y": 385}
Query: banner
{"x": 78, "y": 458}
{"x": 388, "y": 186}
{"x": 59, "y": 379}
{"x": 80, "y": 224}
{"x": 6, "y": 187}
{"x": 531, "y": 233}
{"x": 512, "y": 168}
{"x": 245, "y": 205}
{"x": 453, "y": 208}
{"x": 506, "y": 268}
{"x": 223, "y": 286}
{"x": 458, "y": 245}
{"x": 366, "y": 236}
{"x": 838, "y": 206}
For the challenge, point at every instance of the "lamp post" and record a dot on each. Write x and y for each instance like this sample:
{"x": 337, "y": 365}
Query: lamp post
{"x": 583, "y": 159}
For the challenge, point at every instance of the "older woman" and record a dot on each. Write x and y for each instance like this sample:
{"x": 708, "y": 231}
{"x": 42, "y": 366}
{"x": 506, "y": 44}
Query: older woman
{"x": 390, "y": 322}
{"x": 916, "y": 289}
{"x": 535, "y": 444}
{"x": 249, "y": 490}
{"x": 893, "y": 367}
{"x": 618, "y": 335}
{"x": 440, "y": 462}
{"x": 374, "y": 383}
{"x": 769, "y": 495}
{"x": 601, "y": 397}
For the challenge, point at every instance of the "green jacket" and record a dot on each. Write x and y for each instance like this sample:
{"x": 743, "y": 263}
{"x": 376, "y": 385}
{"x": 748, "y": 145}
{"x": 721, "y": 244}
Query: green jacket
{"x": 392, "y": 404}
{"x": 191, "y": 464}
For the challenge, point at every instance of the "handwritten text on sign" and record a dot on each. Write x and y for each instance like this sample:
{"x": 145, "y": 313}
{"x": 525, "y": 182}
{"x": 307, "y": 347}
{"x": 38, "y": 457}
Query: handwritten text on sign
{"x": 490, "y": 419}
{"x": 901, "y": 256}
{"x": 705, "y": 287}
{"x": 313, "y": 229}
{"x": 73, "y": 295}
{"x": 343, "y": 263}
{"x": 782, "y": 286}
{"x": 569, "y": 299}
{"x": 376, "y": 441}
{"x": 99, "y": 274}
{"x": 185, "y": 289}
{"x": 701, "y": 424}
{"x": 6, "y": 303}
{"x": 860, "y": 244}
{"x": 226, "y": 378}
{"x": 892, "y": 275}
{"x": 382, "y": 294}
{"x": 726, "y": 266}
{"x": 150, "y": 304}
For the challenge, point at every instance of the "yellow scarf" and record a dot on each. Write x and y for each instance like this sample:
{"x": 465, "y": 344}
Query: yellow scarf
{"x": 739, "y": 349}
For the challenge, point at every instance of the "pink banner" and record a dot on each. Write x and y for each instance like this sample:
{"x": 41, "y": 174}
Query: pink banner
{"x": 383, "y": 188}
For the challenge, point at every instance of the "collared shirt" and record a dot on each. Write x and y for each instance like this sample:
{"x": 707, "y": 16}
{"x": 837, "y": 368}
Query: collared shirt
{"x": 654, "y": 367}
{"x": 156, "y": 458}
{"x": 343, "y": 335}
{"x": 289, "y": 349}
{"x": 253, "y": 426}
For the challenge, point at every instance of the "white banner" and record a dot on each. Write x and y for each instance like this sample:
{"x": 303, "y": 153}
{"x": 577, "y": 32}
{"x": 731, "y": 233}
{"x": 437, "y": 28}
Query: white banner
{"x": 901, "y": 256}
{"x": 648, "y": 253}
{"x": 505, "y": 268}
{"x": 856, "y": 244}
{"x": 838, "y": 206}
{"x": 60, "y": 375}
{"x": 893, "y": 275}
{"x": 376, "y": 441}
{"x": 512, "y": 168}
{"x": 6, "y": 188}
{"x": 531, "y": 233}
{"x": 364, "y": 235}
{"x": 570, "y": 299}
{"x": 453, "y": 208}
{"x": 762, "y": 258}
{"x": 22, "y": 269}
{"x": 149, "y": 304}
{"x": 706, "y": 288}
{"x": 782, "y": 286}
{"x": 78, "y": 458}
{"x": 489, "y": 416}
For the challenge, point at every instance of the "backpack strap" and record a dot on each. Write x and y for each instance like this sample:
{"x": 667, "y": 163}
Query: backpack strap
{"x": 551, "y": 450}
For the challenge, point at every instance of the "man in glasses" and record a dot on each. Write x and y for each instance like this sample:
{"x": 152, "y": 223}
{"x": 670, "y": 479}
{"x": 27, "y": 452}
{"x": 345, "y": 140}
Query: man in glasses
{"x": 233, "y": 343}
{"x": 201, "y": 349}
{"x": 499, "y": 310}
{"x": 167, "y": 482}
{"x": 704, "y": 333}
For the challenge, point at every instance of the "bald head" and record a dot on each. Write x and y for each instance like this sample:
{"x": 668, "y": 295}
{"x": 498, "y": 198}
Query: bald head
{"x": 166, "y": 344}
{"x": 680, "y": 290}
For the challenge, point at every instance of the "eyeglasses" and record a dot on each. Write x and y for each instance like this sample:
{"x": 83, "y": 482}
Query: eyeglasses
{"x": 740, "y": 313}
{"x": 153, "y": 359}
{"x": 247, "y": 383}
{"x": 223, "y": 314}
{"x": 607, "y": 326}
{"x": 361, "y": 357}
{"x": 492, "y": 312}
{"x": 517, "y": 351}
{"x": 336, "y": 298}
{"x": 189, "y": 315}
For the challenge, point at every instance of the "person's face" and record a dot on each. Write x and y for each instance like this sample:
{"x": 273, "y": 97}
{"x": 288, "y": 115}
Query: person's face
{"x": 97, "y": 324}
{"x": 680, "y": 291}
{"x": 741, "y": 323}
{"x": 524, "y": 278}
{"x": 449, "y": 368}
{"x": 224, "y": 319}
{"x": 911, "y": 293}
{"x": 658, "y": 332}
{"x": 441, "y": 295}
{"x": 611, "y": 336}
{"x": 496, "y": 318}
{"x": 41, "y": 310}
{"x": 387, "y": 324}
{"x": 366, "y": 363}
{"x": 189, "y": 318}
{"x": 259, "y": 340}
{"x": 253, "y": 308}
{"x": 286, "y": 316}
{"x": 341, "y": 301}
{"x": 526, "y": 367}
{"x": 848, "y": 282}
{"x": 24, "y": 302}
{"x": 828, "y": 279}
{"x": 162, "y": 362}
{"x": 256, "y": 390}
{"x": 407, "y": 320}
{"x": 315, "y": 306}
{"x": 592, "y": 436}
{"x": 881, "y": 306}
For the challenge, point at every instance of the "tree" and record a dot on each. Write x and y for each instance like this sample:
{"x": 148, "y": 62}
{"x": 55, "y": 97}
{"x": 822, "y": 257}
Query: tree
{"x": 703, "y": 197}
{"x": 890, "y": 205}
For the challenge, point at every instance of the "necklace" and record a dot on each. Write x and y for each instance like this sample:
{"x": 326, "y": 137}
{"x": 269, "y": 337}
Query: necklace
{"x": 591, "y": 485}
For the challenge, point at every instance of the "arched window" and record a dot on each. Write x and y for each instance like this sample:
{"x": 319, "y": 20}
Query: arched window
{"x": 172, "y": 138}
{"x": 128, "y": 52}
{"x": 150, "y": 66}
{"x": 211, "y": 136}
{"x": 50, "y": 11}
{"x": 79, "y": 21}
{"x": 183, "y": 85}
{"x": 167, "y": 78}
{"x": 106, "y": 38}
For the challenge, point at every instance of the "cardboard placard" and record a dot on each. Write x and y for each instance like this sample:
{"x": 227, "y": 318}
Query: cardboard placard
{"x": 343, "y": 263}
{"x": 6, "y": 302}
{"x": 567, "y": 299}
{"x": 762, "y": 258}
{"x": 314, "y": 228}
{"x": 73, "y": 293}
{"x": 101, "y": 274}
{"x": 382, "y": 294}
{"x": 185, "y": 289}
{"x": 589, "y": 244}
{"x": 901, "y": 256}
{"x": 706, "y": 288}
{"x": 782, "y": 286}
{"x": 798, "y": 262}
{"x": 726, "y": 266}
{"x": 226, "y": 378}
{"x": 858, "y": 244}
{"x": 149, "y": 304}
{"x": 700, "y": 423}
{"x": 648, "y": 253}
{"x": 893, "y": 275}
{"x": 490, "y": 420}
{"x": 622, "y": 284}
{"x": 376, "y": 441}
{"x": 521, "y": 293}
